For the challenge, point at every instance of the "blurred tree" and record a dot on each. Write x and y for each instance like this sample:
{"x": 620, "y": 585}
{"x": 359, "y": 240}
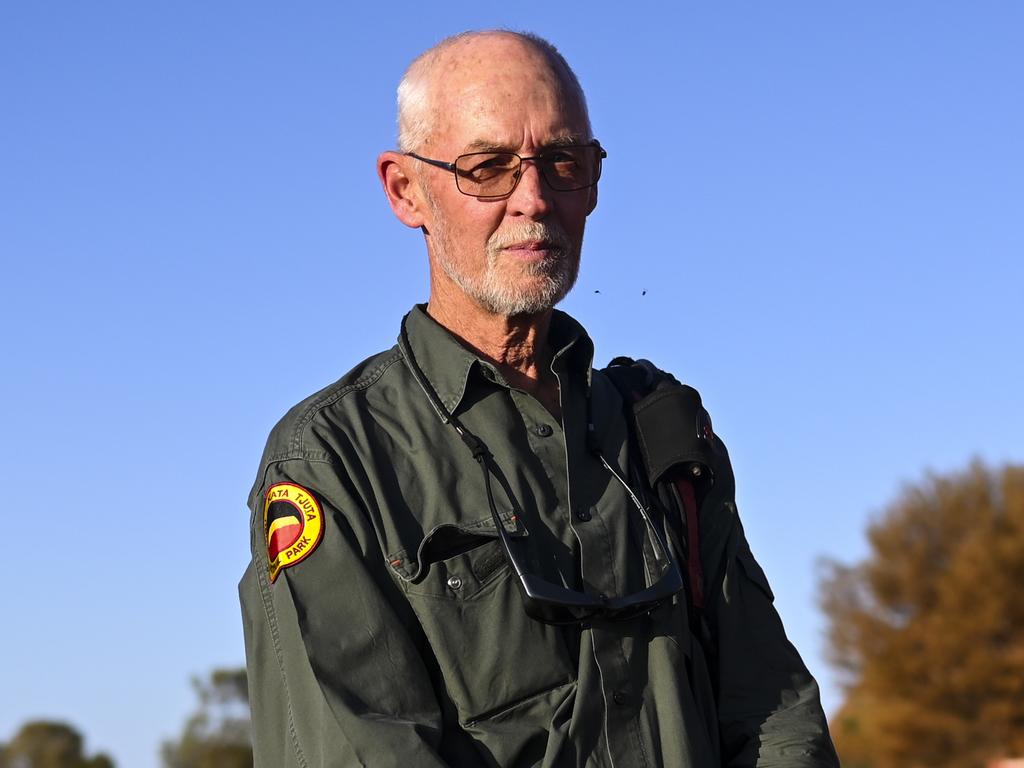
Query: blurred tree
{"x": 218, "y": 735}
{"x": 48, "y": 745}
{"x": 928, "y": 631}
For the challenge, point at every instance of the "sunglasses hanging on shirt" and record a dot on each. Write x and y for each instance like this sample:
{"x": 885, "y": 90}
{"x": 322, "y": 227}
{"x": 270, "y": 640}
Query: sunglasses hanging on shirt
{"x": 543, "y": 600}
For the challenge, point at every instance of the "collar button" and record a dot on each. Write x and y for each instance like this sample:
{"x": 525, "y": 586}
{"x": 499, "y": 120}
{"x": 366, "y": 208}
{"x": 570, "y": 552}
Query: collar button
{"x": 543, "y": 430}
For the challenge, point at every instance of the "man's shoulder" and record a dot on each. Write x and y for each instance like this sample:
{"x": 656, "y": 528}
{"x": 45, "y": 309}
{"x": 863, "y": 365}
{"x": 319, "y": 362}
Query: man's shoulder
{"x": 293, "y": 435}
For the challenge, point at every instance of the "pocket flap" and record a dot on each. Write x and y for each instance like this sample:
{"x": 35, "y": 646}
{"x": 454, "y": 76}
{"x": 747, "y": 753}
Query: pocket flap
{"x": 754, "y": 571}
{"x": 449, "y": 540}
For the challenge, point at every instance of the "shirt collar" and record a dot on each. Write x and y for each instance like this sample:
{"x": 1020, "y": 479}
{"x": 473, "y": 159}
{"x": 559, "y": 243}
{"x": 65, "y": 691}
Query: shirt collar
{"x": 447, "y": 364}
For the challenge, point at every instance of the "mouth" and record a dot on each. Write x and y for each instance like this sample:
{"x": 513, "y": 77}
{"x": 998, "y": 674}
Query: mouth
{"x": 533, "y": 249}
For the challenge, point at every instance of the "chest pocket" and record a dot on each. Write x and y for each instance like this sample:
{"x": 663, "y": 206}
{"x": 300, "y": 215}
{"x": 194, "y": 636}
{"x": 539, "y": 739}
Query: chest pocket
{"x": 464, "y": 592}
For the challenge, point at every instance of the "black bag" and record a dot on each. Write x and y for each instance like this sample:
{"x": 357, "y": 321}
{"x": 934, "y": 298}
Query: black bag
{"x": 670, "y": 433}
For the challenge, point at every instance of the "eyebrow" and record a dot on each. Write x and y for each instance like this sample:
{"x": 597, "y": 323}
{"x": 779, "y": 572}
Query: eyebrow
{"x": 486, "y": 145}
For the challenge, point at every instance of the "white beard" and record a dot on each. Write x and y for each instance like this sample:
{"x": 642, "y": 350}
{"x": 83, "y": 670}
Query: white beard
{"x": 557, "y": 272}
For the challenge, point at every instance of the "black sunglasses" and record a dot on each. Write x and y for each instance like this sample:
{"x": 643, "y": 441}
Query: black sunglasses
{"x": 543, "y": 600}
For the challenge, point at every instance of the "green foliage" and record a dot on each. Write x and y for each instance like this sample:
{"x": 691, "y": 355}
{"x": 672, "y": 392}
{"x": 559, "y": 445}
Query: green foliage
{"x": 218, "y": 735}
{"x": 48, "y": 745}
{"x": 928, "y": 629}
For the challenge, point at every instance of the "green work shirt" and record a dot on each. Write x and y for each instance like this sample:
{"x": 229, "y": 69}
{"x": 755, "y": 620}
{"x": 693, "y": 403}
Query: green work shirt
{"x": 383, "y": 623}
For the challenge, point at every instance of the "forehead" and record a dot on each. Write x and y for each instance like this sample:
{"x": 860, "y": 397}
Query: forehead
{"x": 502, "y": 92}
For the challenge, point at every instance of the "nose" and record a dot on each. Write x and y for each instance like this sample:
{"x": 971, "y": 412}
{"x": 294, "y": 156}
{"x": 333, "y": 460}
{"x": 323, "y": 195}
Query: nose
{"x": 531, "y": 195}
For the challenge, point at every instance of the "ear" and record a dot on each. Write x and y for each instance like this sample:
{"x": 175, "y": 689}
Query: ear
{"x": 592, "y": 201}
{"x": 402, "y": 191}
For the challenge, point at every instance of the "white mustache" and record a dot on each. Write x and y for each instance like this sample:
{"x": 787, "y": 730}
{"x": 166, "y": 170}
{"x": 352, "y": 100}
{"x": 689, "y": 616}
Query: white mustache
{"x": 535, "y": 230}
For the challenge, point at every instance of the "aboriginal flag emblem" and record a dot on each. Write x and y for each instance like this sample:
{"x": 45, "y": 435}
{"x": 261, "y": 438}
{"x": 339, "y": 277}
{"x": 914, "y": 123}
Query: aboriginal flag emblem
{"x": 293, "y": 524}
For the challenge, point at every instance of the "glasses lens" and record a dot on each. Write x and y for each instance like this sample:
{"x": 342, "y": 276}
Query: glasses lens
{"x": 553, "y": 603}
{"x": 486, "y": 174}
{"x": 570, "y": 168}
{"x": 559, "y": 615}
{"x": 494, "y": 174}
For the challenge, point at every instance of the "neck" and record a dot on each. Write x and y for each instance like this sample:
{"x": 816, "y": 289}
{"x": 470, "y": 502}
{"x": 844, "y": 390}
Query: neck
{"x": 518, "y": 346}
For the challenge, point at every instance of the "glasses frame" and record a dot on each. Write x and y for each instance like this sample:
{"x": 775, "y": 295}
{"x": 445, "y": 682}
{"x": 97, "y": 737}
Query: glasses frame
{"x": 518, "y": 172}
{"x": 552, "y": 603}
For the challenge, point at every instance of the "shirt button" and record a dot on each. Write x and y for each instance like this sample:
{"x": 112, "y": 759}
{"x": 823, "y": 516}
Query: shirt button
{"x": 454, "y": 582}
{"x": 543, "y": 430}
{"x": 583, "y": 514}
{"x": 619, "y": 698}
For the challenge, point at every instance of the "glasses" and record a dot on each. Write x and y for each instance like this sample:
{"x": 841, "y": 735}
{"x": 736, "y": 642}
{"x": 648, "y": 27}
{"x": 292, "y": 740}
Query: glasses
{"x": 490, "y": 175}
{"x": 554, "y": 604}
{"x": 543, "y": 600}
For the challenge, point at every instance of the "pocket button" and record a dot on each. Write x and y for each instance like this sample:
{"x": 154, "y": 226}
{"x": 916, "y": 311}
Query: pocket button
{"x": 454, "y": 582}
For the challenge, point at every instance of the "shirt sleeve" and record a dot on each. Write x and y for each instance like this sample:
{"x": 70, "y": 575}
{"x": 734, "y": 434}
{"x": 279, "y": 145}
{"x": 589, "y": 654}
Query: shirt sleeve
{"x": 769, "y": 708}
{"x": 336, "y": 673}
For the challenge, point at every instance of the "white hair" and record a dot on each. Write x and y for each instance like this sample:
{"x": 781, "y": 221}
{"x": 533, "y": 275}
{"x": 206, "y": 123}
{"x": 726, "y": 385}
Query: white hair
{"x": 415, "y": 116}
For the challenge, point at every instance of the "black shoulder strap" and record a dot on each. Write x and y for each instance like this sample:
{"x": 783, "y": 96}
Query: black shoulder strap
{"x": 671, "y": 432}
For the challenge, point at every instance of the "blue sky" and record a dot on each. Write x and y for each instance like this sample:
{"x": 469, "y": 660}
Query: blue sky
{"x": 822, "y": 201}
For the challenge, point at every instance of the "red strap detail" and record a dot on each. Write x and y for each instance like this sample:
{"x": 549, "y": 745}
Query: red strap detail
{"x": 693, "y": 567}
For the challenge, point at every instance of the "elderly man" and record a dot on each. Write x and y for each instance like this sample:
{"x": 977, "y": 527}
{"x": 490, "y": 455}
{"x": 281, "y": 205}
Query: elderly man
{"x": 452, "y": 561}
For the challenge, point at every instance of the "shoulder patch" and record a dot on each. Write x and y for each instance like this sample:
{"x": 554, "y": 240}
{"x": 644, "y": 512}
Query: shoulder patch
{"x": 292, "y": 524}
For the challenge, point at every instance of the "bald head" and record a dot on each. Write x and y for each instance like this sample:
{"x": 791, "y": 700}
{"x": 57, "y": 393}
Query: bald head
{"x": 434, "y": 80}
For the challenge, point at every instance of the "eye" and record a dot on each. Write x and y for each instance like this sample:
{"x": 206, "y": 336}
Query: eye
{"x": 560, "y": 156}
{"x": 483, "y": 167}
{"x": 563, "y": 160}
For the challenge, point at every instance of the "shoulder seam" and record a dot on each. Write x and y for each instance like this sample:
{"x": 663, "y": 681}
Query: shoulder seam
{"x": 330, "y": 398}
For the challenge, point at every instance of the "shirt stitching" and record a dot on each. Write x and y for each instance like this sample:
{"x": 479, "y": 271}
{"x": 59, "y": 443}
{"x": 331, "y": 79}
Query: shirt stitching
{"x": 333, "y": 396}
{"x": 278, "y": 653}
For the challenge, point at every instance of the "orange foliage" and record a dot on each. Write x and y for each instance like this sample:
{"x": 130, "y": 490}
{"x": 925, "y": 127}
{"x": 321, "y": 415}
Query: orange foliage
{"x": 929, "y": 629}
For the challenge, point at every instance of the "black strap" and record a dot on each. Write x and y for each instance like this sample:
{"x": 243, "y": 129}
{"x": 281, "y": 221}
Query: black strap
{"x": 669, "y": 431}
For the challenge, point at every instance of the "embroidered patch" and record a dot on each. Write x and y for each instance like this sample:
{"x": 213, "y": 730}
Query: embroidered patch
{"x": 293, "y": 524}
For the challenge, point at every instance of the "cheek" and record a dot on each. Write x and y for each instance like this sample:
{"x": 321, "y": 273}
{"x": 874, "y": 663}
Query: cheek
{"x": 574, "y": 217}
{"x": 479, "y": 229}
{"x": 464, "y": 234}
